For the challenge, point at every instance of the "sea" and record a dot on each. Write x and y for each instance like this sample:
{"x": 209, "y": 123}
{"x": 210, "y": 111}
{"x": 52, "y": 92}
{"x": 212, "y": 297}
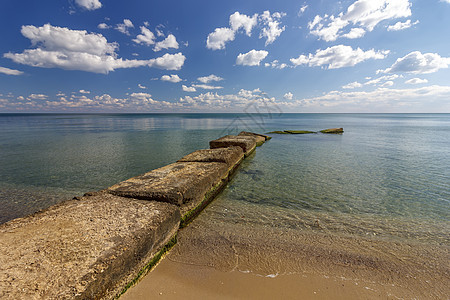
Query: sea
{"x": 383, "y": 184}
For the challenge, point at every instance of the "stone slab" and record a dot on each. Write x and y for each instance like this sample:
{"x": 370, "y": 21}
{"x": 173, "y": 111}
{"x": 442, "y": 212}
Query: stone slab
{"x": 260, "y": 138}
{"x": 247, "y": 143}
{"x": 333, "y": 130}
{"x": 82, "y": 249}
{"x": 231, "y": 156}
{"x": 184, "y": 184}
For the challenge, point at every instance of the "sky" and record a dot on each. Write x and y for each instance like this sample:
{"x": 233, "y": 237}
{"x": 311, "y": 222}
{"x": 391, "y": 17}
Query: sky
{"x": 363, "y": 56}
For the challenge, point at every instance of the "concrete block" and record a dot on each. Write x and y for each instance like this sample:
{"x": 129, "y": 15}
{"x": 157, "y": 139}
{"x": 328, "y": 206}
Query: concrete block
{"x": 247, "y": 143}
{"x": 82, "y": 249}
{"x": 260, "y": 138}
{"x": 185, "y": 184}
{"x": 231, "y": 156}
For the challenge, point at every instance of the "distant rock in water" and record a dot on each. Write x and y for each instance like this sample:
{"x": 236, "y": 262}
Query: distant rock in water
{"x": 333, "y": 130}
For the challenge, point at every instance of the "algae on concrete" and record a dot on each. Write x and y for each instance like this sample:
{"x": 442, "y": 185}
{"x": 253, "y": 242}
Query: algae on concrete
{"x": 333, "y": 130}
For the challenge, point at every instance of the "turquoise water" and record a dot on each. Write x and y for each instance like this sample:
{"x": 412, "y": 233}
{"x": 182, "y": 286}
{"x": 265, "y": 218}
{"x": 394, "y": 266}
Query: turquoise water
{"x": 387, "y": 175}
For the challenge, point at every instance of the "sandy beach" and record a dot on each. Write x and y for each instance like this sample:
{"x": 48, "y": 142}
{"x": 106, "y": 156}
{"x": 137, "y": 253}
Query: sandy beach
{"x": 236, "y": 261}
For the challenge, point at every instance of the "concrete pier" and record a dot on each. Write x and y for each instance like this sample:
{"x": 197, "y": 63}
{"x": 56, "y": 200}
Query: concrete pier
{"x": 96, "y": 246}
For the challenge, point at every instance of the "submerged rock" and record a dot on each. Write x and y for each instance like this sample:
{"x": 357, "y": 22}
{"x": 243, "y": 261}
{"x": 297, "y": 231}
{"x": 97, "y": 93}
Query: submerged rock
{"x": 333, "y": 130}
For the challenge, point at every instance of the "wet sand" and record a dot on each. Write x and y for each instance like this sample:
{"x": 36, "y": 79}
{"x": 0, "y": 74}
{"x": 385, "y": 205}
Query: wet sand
{"x": 244, "y": 260}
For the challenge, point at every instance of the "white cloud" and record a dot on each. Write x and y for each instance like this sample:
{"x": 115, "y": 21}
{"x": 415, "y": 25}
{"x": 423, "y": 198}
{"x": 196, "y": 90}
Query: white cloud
{"x": 89, "y": 4}
{"x": 141, "y": 86}
{"x": 366, "y": 14}
{"x": 251, "y": 58}
{"x": 188, "y": 89}
{"x": 386, "y": 97}
{"x": 352, "y": 85}
{"x": 142, "y": 98}
{"x": 37, "y": 96}
{"x": 169, "y": 42}
{"x": 275, "y": 64}
{"x": 302, "y": 10}
{"x": 416, "y": 81}
{"x": 216, "y": 40}
{"x": 207, "y": 87}
{"x": 123, "y": 27}
{"x": 418, "y": 63}
{"x": 338, "y": 57}
{"x": 78, "y": 50}
{"x": 147, "y": 37}
{"x": 209, "y": 78}
{"x": 288, "y": 96}
{"x": 103, "y": 26}
{"x": 238, "y": 21}
{"x": 171, "y": 78}
{"x": 168, "y": 61}
{"x": 272, "y": 29}
{"x": 401, "y": 25}
{"x": 376, "y": 81}
{"x": 8, "y": 71}
{"x": 355, "y": 33}
{"x": 446, "y": 1}
{"x": 84, "y": 92}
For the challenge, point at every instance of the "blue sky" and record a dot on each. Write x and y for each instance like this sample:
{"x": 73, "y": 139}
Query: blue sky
{"x": 224, "y": 56}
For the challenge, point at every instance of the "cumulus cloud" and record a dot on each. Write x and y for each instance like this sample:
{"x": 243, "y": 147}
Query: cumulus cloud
{"x": 171, "y": 78}
{"x": 59, "y": 47}
{"x": 168, "y": 61}
{"x": 209, "y": 78}
{"x": 418, "y": 63}
{"x": 386, "y": 97}
{"x": 146, "y": 37}
{"x": 272, "y": 29}
{"x": 416, "y": 81}
{"x": 103, "y": 26}
{"x": 188, "y": 88}
{"x": 89, "y": 4}
{"x": 364, "y": 14}
{"x": 238, "y": 21}
{"x": 251, "y": 58}
{"x": 275, "y": 64}
{"x": 207, "y": 87}
{"x": 169, "y": 42}
{"x": 123, "y": 27}
{"x": 338, "y": 57}
{"x": 401, "y": 25}
{"x": 216, "y": 40}
{"x": 84, "y": 92}
{"x": 270, "y": 23}
{"x": 37, "y": 96}
{"x": 8, "y": 71}
{"x": 141, "y": 86}
{"x": 288, "y": 96}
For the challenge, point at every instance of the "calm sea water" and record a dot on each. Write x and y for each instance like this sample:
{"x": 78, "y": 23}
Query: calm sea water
{"x": 388, "y": 175}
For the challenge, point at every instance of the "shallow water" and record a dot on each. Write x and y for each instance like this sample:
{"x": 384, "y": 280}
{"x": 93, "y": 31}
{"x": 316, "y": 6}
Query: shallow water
{"x": 372, "y": 203}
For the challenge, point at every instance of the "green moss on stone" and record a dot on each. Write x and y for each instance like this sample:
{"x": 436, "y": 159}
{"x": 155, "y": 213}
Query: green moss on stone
{"x": 278, "y": 132}
{"x": 153, "y": 262}
{"x": 333, "y": 130}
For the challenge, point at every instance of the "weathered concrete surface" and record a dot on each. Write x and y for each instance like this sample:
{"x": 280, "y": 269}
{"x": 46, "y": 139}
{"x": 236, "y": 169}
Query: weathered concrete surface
{"x": 260, "y": 138}
{"x": 185, "y": 184}
{"x": 231, "y": 156}
{"x": 333, "y": 130}
{"x": 247, "y": 143}
{"x": 82, "y": 249}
